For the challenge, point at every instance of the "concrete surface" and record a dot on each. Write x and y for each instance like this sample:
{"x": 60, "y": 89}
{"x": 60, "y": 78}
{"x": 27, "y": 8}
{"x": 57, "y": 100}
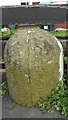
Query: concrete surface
{"x": 13, "y": 110}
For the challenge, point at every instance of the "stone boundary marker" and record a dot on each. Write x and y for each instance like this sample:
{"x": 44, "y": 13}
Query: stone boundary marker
{"x": 34, "y": 64}
{"x": 65, "y": 49}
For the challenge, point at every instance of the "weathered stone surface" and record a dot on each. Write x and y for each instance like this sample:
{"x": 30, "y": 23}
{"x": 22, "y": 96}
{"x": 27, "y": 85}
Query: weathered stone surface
{"x": 32, "y": 65}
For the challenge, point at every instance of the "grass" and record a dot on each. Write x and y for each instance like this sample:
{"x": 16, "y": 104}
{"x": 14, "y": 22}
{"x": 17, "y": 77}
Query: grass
{"x": 59, "y": 33}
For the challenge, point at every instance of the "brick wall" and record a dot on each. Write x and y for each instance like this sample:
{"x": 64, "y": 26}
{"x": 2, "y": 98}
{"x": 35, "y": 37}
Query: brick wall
{"x": 61, "y": 25}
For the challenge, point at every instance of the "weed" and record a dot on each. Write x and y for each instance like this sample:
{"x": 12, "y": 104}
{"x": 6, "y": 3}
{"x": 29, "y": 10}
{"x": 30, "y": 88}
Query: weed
{"x": 3, "y": 88}
{"x": 57, "y": 99}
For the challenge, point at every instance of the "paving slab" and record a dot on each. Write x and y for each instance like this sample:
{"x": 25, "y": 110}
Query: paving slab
{"x": 12, "y": 110}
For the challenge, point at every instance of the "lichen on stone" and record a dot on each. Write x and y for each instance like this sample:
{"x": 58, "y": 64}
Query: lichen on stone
{"x": 32, "y": 65}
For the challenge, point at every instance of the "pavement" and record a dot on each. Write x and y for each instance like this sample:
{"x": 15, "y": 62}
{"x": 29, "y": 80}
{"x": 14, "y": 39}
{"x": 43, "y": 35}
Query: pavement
{"x": 12, "y": 110}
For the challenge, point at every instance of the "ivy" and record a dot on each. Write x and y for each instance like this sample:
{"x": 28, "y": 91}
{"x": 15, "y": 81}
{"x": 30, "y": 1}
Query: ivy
{"x": 57, "y": 99}
{"x": 65, "y": 59}
{"x": 3, "y": 88}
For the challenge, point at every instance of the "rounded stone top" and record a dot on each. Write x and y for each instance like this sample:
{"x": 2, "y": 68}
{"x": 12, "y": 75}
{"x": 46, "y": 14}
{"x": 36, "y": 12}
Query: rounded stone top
{"x": 36, "y": 34}
{"x": 32, "y": 40}
{"x": 32, "y": 64}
